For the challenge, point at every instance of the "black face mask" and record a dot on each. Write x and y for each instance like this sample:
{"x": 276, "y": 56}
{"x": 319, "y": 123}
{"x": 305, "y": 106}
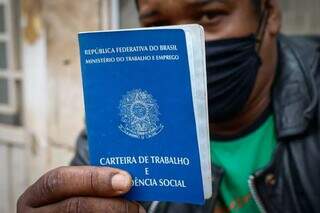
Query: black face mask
{"x": 232, "y": 67}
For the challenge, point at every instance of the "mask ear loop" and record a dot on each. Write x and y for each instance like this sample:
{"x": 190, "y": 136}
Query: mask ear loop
{"x": 262, "y": 28}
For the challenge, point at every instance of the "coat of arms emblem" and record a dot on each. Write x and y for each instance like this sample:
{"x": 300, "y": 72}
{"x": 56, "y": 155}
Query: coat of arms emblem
{"x": 139, "y": 114}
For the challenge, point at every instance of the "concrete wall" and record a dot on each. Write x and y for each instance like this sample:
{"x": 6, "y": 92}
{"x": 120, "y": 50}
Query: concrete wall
{"x": 301, "y": 16}
{"x": 63, "y": 20}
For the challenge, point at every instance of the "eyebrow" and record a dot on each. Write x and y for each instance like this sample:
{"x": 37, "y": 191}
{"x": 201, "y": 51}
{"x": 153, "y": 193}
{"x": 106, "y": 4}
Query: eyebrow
{"x": 148, "y": 14}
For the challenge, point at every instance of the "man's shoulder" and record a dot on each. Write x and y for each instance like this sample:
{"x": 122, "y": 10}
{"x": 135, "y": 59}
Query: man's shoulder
{"x": 306, "y": 42}
{"x": 305, "y": 49}
{"x": 311, "y": 40}
{"x": 295, "y": 88}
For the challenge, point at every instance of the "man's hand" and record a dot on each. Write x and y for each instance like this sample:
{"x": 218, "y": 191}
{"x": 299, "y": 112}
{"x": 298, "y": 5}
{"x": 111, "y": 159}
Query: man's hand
{"x": 79, "y": 189}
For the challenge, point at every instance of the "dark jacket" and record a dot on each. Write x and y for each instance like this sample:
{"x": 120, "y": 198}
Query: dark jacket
{"x": 291, "y": 181}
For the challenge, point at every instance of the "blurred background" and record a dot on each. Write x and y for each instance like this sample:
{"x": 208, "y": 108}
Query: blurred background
{"x": 41, "y": 103}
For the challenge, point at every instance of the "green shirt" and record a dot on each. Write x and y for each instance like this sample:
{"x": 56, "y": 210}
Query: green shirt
{"x": 239, "y": 159}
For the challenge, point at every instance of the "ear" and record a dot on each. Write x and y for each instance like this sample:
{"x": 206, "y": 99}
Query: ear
{"x": 275, "y": 17}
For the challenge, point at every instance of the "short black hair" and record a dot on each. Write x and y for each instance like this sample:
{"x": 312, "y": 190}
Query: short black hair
{"x": 256, "y": 4}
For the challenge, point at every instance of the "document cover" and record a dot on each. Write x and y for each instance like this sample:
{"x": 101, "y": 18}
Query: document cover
{"x": 146, "y": 109}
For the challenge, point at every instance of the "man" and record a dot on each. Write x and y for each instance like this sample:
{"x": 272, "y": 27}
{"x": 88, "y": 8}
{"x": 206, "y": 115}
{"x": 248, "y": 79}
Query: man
{"x": 264, "y": 119}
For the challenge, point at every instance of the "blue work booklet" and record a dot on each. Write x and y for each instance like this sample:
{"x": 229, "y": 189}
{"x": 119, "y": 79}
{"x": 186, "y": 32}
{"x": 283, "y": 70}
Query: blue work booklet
{"x": 145, "y": 96}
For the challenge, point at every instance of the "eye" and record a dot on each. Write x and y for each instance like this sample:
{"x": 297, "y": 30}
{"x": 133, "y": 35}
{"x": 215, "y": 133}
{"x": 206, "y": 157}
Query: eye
{"x": 210, "y": 17}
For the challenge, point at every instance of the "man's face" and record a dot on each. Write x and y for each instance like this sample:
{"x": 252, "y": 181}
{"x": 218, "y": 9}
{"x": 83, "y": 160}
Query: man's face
{"x": 220, "y": 18}
{"x": 223, "y": 19}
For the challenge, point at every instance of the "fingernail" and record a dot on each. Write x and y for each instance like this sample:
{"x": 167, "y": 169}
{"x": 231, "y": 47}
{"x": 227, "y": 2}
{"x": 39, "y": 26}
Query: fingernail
{"x": 120, "y": 182}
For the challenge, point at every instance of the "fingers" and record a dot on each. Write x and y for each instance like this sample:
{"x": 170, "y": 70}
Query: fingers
{"x": 67, "y": 182}
{"x": 90, "y": 205}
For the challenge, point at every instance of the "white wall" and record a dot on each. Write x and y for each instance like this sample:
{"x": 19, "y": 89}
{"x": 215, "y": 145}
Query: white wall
{"x": 63, "y": 21}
